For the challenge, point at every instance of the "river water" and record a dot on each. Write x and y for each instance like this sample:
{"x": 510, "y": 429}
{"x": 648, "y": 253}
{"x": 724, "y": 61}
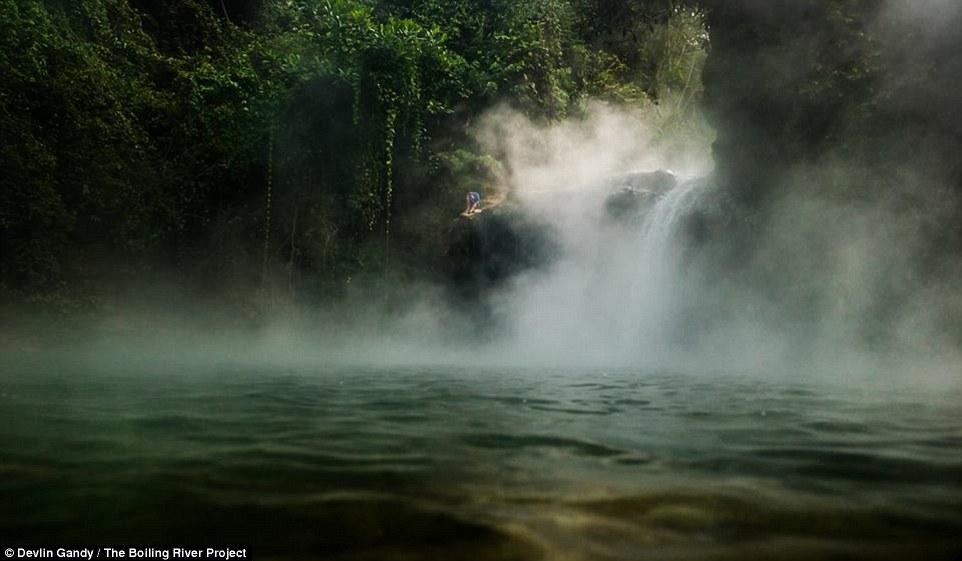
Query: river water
{"x": 471, "y": 463}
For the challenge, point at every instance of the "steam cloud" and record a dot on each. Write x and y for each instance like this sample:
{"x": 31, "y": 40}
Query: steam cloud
{"x": 848, "y": 302}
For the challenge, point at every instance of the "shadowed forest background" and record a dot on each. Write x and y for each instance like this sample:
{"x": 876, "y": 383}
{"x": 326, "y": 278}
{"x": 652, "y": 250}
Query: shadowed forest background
{"x": 266, "y": 154}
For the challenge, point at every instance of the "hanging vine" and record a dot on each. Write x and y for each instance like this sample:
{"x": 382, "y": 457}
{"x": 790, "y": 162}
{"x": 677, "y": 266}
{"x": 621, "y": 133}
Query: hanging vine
{"x": 267, "y": 208}
{"x": 387, "y": 109}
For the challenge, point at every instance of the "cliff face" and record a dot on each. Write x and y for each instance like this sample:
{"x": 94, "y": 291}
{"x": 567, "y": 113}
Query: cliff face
{"x": 487, "y": 249}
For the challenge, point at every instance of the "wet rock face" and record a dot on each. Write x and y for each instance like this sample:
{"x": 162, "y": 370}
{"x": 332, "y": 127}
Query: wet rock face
{"x": 627, "y": 202}
{"x": 636, "y": 192}
{"x": 487, "y": 249}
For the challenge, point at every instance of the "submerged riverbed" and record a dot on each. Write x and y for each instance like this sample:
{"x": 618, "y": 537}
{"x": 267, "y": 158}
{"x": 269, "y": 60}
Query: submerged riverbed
{"x": 473, "y": 463}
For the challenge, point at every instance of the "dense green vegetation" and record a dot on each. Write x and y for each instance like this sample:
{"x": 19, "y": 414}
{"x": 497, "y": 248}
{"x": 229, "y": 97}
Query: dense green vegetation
{"x": 292, "y": 148}
{"x": 286, "y": 145}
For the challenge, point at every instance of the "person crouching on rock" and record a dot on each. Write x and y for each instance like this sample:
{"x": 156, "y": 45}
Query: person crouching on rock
{"x": 473, "y": 200}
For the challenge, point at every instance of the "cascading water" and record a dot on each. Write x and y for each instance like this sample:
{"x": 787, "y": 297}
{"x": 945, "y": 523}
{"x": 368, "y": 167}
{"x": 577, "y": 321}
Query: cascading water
{"x": 655, "y": 288}
{"x": 615, "y": 291}
{"x": 661, "y": 221}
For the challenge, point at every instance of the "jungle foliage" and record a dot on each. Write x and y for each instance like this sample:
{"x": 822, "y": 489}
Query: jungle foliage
{"x": 294, "y": 144}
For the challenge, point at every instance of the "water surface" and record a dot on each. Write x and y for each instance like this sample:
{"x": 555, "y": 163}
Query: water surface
{"x": 471, "y": 463}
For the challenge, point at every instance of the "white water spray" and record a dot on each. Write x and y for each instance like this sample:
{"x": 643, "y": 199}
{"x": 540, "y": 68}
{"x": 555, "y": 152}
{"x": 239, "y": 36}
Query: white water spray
{"x": 662, "y": 220}
{"x": 656, "y": 288}
{"x": 614, "y": 292}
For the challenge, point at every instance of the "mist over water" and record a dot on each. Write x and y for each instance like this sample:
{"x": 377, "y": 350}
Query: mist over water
{"x": 640, "y": 291}
{"x": 608, "y": 298}
{"x": 830, "y": 282}
{"x": 629, "y": 291}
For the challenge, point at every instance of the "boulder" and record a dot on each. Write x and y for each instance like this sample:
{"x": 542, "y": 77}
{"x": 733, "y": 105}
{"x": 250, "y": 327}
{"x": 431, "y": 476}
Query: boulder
{"x": 635, "y": 192}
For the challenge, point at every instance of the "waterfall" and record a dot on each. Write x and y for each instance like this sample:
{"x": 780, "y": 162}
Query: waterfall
{"x": 660, "y": 223}
{"x": 655, "y": 287}
{"x": 613, "y": 295}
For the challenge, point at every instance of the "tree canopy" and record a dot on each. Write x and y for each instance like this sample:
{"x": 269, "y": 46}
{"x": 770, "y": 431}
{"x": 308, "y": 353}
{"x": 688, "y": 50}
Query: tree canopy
{"x": 296, "y": 136}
